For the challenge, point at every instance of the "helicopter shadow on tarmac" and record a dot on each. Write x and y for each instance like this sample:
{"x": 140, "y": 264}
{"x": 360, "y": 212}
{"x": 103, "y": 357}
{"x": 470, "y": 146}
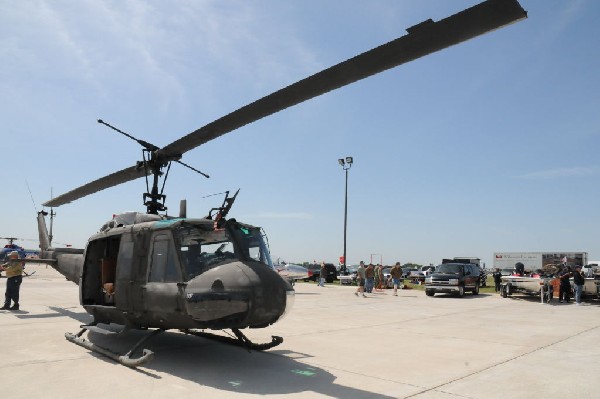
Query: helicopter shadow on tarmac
{"x": 234, "y": 369}
{"x": 81, "y": 316}
{"x": 217, "y": 365}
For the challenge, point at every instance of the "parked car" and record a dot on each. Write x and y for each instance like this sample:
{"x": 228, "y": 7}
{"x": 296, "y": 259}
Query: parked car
{"x": 314, "y": 272}
{"x": 420, "y": 274}
{"x": 456, "y": 278}
{"x": 406, "y": 270}
{"x": 507, "y": 271}
{"x": 387, "y": 277}
{"x": 331, "y": 273}
{"x": 350, "y": 277}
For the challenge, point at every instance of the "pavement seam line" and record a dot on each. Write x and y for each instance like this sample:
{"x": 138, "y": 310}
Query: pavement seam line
{"x": 499, "y": 364}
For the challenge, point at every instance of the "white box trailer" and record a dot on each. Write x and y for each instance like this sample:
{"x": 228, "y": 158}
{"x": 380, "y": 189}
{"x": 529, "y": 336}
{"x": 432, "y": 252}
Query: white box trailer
{"x": 533, "y": 261}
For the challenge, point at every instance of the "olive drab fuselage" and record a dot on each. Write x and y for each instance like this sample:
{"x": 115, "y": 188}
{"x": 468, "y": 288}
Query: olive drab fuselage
{"x": 178, "y": 274}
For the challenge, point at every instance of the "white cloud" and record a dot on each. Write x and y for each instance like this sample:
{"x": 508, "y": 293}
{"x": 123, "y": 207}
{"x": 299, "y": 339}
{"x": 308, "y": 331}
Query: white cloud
{"x": 168, "y": 53}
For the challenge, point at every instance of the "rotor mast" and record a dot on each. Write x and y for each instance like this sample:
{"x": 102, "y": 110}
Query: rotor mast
{"x": 153, "y": 163}
{"x": 153, "y": 200}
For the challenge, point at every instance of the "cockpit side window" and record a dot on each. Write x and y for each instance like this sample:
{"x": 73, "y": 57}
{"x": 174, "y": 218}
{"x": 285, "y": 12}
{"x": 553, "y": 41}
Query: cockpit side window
{"x": 252, "y": 244}
{"x": 202, "y": 246}
{"x": 164, "y": 266}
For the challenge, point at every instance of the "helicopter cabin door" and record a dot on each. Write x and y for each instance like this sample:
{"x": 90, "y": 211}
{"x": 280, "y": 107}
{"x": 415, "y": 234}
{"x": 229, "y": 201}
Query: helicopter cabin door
{"x": 129, "y": 279}
{"x": 163, "y": 296}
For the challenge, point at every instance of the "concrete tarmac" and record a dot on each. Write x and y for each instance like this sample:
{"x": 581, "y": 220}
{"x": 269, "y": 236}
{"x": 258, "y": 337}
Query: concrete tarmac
{"x": 336, "y": 345}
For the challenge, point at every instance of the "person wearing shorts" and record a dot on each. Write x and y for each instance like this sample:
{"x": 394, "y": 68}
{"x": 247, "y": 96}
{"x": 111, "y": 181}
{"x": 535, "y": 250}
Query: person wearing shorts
{"x": 360, "y": 279}
{"x": 396, "y": 274}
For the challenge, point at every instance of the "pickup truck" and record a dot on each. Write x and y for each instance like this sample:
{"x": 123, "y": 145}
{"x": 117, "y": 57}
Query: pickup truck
{"x": 456, "y": 278}
{"x": 314, "y": 272}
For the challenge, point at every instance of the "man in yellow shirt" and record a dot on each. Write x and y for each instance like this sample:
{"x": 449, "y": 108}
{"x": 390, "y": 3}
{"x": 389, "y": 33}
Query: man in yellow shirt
{"x": 14, "y": 277}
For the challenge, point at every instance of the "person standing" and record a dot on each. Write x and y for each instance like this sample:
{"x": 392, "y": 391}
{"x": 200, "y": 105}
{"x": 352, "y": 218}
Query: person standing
{"x": 565, "y": 285}
{"x": 396, "y": 274}
{"x": 360, "y": 279}
{"x": 370, "y": 276}
{"x": 578, "y": 281}
{"x": 322, "y": 275}
{"x": 378, "y": 277}
{"x": 497, "y": 279}
{"x": 14, "y": 277}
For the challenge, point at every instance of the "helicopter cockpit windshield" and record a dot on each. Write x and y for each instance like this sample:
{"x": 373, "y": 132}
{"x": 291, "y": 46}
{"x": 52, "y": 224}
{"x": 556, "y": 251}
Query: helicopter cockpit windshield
{"x": 202, "y": 247}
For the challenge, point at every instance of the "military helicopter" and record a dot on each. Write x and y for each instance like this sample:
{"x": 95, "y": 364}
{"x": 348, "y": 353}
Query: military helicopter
{"x": 153, "y": 271}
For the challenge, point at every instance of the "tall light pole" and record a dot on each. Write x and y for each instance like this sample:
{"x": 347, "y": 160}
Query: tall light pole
{"x": 346, "y": 164}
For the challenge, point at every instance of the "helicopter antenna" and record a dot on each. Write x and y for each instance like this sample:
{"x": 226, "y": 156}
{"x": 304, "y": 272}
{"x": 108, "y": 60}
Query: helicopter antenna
{"x": 153, "y": 199}
{"x": 52, "y": 214}
{"x": 212, "y": 195}
{"x": 31, "y": 196}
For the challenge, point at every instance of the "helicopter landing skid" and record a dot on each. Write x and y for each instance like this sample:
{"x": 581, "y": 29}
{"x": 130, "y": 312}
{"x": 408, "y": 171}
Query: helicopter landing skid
{"x": 240, "y": 340}
{"x": 126, "y": 359}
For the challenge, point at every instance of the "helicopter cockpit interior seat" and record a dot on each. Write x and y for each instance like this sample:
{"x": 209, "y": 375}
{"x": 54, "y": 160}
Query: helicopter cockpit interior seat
{"x": 108, "y": 269}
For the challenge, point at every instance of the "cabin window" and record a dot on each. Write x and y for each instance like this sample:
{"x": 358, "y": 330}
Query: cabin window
{"x": 125, "y": 259}
{"x": 164, "y": 267}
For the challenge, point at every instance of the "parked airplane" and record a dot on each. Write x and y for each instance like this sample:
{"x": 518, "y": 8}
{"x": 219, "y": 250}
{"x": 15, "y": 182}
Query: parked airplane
{"x": 291, "y": 272}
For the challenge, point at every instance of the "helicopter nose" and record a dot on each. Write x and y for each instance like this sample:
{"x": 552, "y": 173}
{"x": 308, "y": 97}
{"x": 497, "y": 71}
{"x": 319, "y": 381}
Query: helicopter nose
{"x": 238, "y": 295}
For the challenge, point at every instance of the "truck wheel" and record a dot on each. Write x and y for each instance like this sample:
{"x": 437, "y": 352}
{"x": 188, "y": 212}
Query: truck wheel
{"x": 429, "y": 293}
{"x": 461, "y": 291}
{"x": 476, "y": 290}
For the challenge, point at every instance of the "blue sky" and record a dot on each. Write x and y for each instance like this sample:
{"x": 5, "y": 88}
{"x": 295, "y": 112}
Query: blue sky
{"x": 488, "y": 146}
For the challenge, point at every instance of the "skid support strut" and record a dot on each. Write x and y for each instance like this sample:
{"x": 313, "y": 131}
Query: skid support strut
{"x": 240, "y": 340}
{"x": 126, "y": 359}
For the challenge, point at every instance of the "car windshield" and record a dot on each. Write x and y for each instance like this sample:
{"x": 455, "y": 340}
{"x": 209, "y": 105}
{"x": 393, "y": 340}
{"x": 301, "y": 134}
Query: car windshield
{"x": 202, "y": 247}
{"x": 449, "y": 268}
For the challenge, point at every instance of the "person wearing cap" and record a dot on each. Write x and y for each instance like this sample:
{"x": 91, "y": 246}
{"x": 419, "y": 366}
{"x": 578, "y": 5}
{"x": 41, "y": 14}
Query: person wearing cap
{"x": 578, "y": 282}
{"x": 14, "y": 277}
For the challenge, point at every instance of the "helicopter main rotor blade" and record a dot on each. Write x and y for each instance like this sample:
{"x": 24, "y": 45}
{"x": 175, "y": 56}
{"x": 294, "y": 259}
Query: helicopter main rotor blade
{"x": 422, "y": 39}
{"x": 122, "y": 176}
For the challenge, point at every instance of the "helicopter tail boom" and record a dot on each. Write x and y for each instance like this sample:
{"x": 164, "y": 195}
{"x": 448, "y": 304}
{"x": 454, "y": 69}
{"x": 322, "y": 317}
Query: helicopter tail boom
{"x": 43, "y": 231}
{"x": 67, "y": 261}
